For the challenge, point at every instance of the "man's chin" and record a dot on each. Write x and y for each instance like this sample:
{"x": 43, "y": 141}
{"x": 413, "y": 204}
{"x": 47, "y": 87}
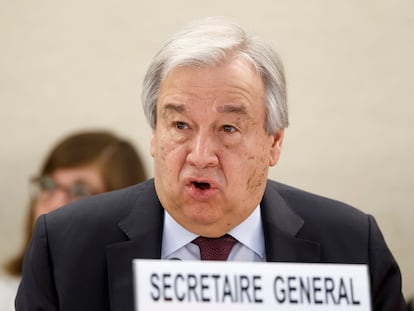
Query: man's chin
{"x": 207, "y": 225}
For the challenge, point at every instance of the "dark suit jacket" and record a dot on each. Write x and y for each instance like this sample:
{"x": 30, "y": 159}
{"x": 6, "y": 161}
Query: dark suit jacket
{"x": 80, "y": 255}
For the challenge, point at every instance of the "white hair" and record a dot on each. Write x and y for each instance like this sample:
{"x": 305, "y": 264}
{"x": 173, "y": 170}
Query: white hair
{"x": 210, "y": 42}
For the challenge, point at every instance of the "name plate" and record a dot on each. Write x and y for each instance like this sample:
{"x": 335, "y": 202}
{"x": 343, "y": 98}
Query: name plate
{"x": 215, "y": 286}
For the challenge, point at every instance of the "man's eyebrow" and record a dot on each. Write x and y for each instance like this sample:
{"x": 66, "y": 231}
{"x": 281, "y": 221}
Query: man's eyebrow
{"x": 240, "y": 109}
{"x": 175, "y": 107}
{"x": 228, "y": 108}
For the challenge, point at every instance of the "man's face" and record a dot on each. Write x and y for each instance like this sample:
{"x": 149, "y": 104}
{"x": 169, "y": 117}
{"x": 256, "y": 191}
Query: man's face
{"x": 211, "y": 151}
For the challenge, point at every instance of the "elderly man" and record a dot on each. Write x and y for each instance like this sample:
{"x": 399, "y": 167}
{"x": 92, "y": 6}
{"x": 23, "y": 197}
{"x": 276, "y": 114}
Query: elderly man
{"x": 215, "y": 98}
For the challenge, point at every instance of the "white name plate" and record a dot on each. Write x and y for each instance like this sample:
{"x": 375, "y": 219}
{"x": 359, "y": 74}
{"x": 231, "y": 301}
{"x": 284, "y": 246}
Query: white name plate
{"x": 209, "y": 285}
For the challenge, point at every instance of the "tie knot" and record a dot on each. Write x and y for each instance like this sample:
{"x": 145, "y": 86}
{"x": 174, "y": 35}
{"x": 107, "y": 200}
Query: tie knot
{"x": 215, "y": 248}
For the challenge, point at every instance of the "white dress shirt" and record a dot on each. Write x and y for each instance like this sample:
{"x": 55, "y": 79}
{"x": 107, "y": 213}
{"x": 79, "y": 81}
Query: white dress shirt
{"x": 176, "y": 240}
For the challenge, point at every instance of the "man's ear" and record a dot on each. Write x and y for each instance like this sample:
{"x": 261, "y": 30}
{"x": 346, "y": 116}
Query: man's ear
{"x": 276, "y": 147}
{"x": 152, "y": 145}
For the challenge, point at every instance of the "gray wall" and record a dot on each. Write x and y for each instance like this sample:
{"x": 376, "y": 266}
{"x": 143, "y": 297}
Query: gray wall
{"x": 349, "y": 64}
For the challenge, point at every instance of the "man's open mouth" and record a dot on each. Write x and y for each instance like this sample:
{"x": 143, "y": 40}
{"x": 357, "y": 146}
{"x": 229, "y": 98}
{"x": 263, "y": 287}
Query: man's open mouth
{"x": 201, "y": 185}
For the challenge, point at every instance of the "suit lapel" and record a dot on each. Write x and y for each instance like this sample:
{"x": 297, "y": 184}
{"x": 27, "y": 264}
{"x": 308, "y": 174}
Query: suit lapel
{"x": 143, "y": 230}
{"x": 281, "y": 226}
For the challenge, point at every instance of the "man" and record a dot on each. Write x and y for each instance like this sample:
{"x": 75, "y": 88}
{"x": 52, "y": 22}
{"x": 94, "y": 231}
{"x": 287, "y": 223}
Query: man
{"x": 216, "y": 101}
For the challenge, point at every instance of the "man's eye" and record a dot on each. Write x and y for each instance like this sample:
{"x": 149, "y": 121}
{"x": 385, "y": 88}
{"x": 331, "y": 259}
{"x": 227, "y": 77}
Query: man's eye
{"x": 228, "y": 128}
{"x": 181, "y": 125}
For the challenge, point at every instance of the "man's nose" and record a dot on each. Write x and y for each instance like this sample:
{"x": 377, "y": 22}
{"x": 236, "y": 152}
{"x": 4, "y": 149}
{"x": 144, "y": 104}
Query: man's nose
{"x": 203, "y": 151}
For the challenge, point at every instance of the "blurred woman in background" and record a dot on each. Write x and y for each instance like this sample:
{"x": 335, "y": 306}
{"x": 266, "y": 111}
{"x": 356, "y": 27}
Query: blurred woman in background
{"x": 83, "y": 164}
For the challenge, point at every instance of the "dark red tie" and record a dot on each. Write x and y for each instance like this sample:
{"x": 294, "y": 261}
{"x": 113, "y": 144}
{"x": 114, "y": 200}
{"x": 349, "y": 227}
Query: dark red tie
{"x": 215, "y": 248}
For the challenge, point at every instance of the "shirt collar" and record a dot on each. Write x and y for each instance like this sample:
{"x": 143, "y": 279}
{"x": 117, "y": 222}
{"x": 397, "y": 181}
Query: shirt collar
{"x": 174, "y": 236}
{"x": 249, "y": 233}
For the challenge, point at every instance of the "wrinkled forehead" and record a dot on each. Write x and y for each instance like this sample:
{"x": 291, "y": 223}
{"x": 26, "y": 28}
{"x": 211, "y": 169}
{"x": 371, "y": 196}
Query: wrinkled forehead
{"x": 232, "y": 89}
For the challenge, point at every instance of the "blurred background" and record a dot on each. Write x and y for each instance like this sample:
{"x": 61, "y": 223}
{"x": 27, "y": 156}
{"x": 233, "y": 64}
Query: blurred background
{"x": 77, "y": 64}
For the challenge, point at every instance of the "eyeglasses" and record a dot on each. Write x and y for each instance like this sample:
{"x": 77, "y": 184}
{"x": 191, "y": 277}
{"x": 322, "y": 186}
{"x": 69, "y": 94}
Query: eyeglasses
{"x": 46, "y": 185}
